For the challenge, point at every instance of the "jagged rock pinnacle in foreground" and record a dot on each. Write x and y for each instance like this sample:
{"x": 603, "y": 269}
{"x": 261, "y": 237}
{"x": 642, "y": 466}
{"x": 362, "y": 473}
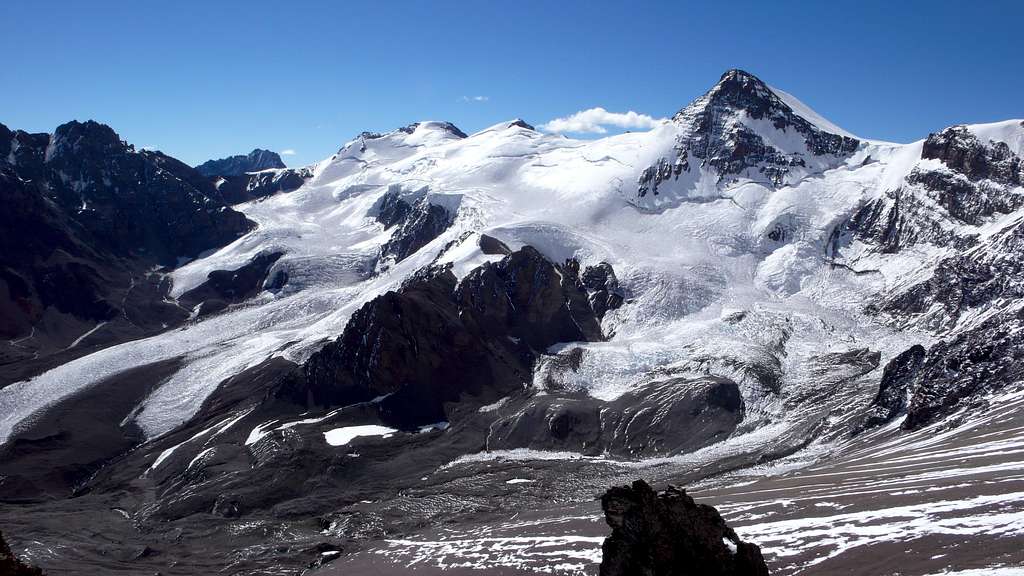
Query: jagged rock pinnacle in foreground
{"x": 432, "y": 348}
{"x": 668, "y": 534}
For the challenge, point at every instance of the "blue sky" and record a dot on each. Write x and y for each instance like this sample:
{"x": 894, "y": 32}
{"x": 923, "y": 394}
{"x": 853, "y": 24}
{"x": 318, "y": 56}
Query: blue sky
{"x": 209, "y": 79}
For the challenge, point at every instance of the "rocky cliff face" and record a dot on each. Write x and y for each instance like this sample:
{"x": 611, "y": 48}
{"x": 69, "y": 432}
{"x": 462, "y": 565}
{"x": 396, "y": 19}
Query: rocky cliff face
{"x": 895, "y": 387}
{"x": 963, "y": 152}
{"x": 141, "y": 205}
{"x": 86, "y": 220}
{"x": 960, "y": 184}
{"x": 415, "y": 223}
{"x": 234, "y": 189}
{"x": 437, "y": 341}
{"x": 668, "y": 534}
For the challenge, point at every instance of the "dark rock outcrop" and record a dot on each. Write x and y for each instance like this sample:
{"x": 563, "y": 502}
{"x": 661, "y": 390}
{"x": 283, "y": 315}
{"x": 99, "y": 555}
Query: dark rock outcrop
{"x": 520, "y": 123}
{"x": 41, "y": 251}
{"x": 254, "y": 185}
{"x": 225, "y": 287}
{"x": 409, "y": 129}
{"x": 492, "y": 246}
{"x": 897, "y": 220}
{"x": 136, "y": 204}
{"x": 976, "y": 182}
{"x": 259, "y": 174}
{"x": 603, "y": 286}
{"x": 418, "y": 223}
{"x": 237, "y": 165}
{"x": 673, "y": 416}
{"x": 965, "y": 281}
{"x": 436, "y": 341}
{"x": 954, "y": 374}
{"x": 964, "y": 200}
{"x": 668, "y": 534}
{"x": 960, "y": 371}
{"x": 898, "y": 379}
{"x": 963, "y": 152}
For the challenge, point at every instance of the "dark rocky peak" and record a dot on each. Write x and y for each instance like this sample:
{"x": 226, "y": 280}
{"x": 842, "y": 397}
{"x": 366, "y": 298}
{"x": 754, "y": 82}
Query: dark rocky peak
{"x": 86, "y": 157}
{"x": 738, "y": 90}
{"x": 724, "y": 129}
{"x": 976, "y": 181}
{"x": 69, "y": 146}
{"x": 89, "y": 138}
{"x": 446, "y": 127}
{"x": 963, "y": 152}
{"x": 360, "y": 141}
{"x": 254, "y": 161}
{"x": 143, "y": 205}
{"x": 668, "y": 534}
{"x": 520, "y": 123}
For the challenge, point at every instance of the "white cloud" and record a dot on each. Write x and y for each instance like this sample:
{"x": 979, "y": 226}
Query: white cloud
{"x": 594, "y": 120}
{"x": 474, "y": 99}
{"x": 287, "y": 152}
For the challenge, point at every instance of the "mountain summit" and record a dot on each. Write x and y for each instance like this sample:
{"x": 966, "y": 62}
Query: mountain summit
{"x": 743, "y": 131}
{"x": 254, "y": 161}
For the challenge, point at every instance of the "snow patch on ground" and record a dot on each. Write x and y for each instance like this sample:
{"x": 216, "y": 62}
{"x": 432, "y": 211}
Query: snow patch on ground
{"x": 342, "y": 436}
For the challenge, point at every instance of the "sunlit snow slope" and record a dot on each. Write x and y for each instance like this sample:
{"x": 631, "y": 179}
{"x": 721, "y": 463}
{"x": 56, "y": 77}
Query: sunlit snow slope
{"x": 712, "y": 214}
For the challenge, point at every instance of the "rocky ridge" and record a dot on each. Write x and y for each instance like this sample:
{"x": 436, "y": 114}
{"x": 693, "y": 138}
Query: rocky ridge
{"x": 255, "y": 161}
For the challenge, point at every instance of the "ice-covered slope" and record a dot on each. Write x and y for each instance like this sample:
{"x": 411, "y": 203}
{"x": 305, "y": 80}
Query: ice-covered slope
{"x": 749, "y": 194}
{"x": 759, "y": 250}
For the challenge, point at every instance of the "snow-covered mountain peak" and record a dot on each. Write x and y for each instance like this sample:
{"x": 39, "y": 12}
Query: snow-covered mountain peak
{"x": 736, "y": 89}
{"x": 743, "y": 131}
{"x": 741, "y": 92}
{"x": 520, "y": 123}
{"x": 416, "y": 134}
